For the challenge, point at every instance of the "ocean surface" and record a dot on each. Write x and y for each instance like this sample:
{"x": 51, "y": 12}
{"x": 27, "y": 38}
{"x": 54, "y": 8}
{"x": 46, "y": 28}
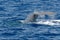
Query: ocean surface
{"x": 11, "y": 11}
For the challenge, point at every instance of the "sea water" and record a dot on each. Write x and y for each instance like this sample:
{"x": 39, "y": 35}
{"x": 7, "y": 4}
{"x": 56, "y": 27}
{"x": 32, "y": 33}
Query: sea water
{"x": 13, "y": 10}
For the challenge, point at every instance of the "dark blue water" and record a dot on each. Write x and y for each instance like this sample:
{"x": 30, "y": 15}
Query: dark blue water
{"x": 13, "y": 10}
